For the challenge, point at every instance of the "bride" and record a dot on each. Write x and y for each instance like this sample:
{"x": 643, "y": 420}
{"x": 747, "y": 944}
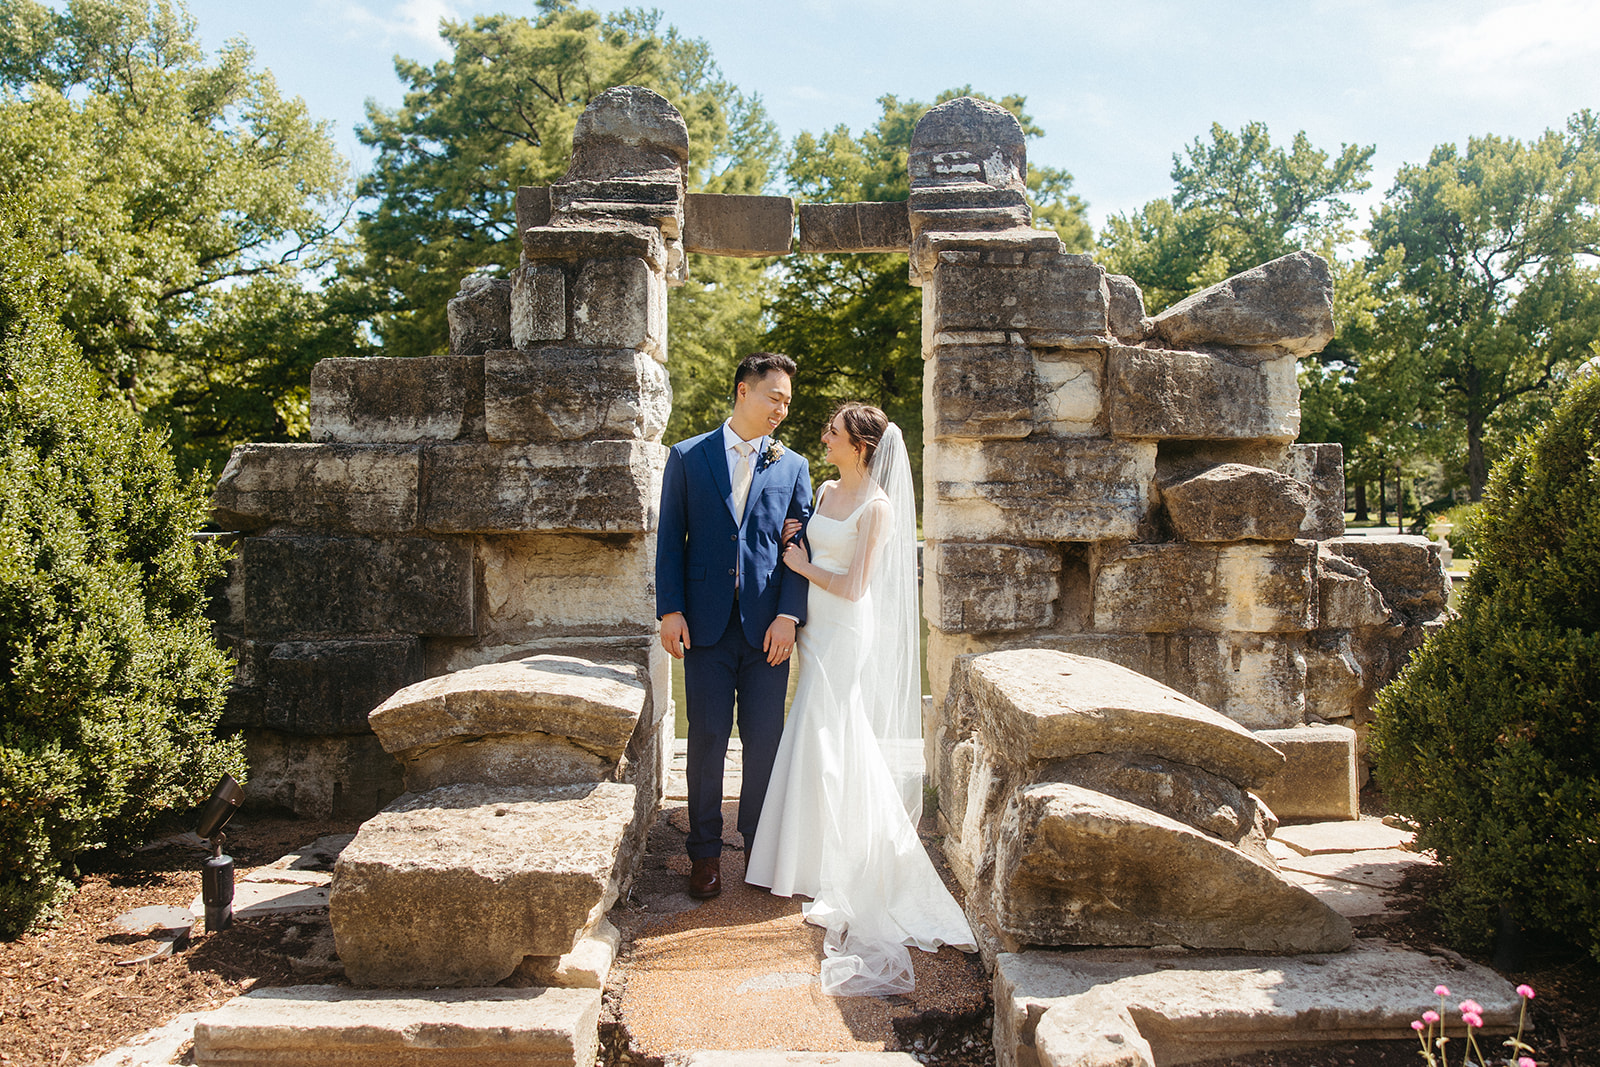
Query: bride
{"x": 839, "y": 821}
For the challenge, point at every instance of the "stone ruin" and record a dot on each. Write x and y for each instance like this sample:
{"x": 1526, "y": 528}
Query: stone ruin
{"x": 1147, "y": 634}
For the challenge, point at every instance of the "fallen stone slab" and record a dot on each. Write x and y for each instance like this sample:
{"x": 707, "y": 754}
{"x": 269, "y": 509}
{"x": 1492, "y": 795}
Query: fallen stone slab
{"x": 1078, "y": 867}
{"x": 332, "y": 1025}
{"x": 154, "y": 1048}
{"x": 543, "y": 720}
{"x": 1382, "y": 868}
{"x": 1287, "y": 303}
{"x": 1355, "y": 902}
{"x": 455, "y": 887}
{"x": 1358, "y": 835}
{"x": 1052, "y": 1006}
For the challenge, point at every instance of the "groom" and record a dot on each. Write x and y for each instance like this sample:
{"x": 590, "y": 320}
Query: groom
{"x": 727, "y": 605}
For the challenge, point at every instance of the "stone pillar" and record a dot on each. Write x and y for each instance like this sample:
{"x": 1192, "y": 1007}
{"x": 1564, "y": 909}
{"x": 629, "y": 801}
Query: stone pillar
{"x": 1107, "y": 483}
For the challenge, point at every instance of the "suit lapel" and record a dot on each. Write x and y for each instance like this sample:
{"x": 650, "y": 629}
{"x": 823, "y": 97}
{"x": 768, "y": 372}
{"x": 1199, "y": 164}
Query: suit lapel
{"x": 717, "y": 468}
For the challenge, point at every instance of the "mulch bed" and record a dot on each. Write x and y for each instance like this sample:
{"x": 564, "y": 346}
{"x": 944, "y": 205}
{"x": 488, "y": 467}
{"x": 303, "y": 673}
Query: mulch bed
{"x": 63, "y": 1000}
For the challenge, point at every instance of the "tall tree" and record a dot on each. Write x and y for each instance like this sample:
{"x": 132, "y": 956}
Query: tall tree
{"x": 1237, "y": 202}
{"x": 1485, "y": 264}
{"x": 853, "y": 322}
{"x": 499, "y": 113}
{"x": 188, "y": 201}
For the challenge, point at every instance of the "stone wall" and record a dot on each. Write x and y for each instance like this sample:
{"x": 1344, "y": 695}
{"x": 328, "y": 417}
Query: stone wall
{"x": 1105, "y": 483}
{"x": 477, "y": 507}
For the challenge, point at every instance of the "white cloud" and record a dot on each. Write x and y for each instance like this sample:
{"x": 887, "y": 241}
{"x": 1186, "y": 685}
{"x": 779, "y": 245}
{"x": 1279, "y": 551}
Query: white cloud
{"x": 1531, "y": 36}
{"x": 411, "y": 24}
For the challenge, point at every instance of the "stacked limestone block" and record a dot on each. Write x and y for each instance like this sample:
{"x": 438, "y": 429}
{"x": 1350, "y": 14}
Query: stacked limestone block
{"x": 1124, "y": 487}
{"x": 474, "y": 507}
{"x": 1104, "y": 808}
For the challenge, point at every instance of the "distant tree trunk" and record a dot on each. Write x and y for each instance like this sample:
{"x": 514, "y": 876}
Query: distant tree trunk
{"x": 1477, "y": 472}
{"x": 1361, "y": 502}
{"x": 1383, "y": 498}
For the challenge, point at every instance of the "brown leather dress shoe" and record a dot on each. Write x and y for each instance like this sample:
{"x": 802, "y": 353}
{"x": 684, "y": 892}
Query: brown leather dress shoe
{"x": 705, "y": 878}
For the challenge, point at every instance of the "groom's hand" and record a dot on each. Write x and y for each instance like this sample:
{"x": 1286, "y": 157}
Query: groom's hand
{"x": 779, "y": 641}
{"x": 675, "y": 634}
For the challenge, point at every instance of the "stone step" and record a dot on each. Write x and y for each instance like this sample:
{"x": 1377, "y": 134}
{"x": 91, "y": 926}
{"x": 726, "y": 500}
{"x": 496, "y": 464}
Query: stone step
{"x": 457, "y": 886}
{"x": 1055, "y": 1008}
{"x": 332, "y": 1025}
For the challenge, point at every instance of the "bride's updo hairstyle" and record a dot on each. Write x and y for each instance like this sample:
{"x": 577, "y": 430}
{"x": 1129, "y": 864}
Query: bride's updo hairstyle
{"x": 865, "y": 425}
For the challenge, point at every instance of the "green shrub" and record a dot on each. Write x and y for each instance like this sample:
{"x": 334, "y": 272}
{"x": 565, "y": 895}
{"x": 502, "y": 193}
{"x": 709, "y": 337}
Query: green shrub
{"x": 1490, "y": 738}
{"x": 110, "y": 684}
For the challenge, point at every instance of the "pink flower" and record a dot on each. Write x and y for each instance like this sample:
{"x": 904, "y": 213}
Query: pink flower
{"x": 1416, "y": 1024}
{"x": 1526, "y": 993}
{"x": 1472, "y": 1018}
{"x": 1430, "y": 1016}
{"x": 1471, "y": 1007}
{"x": 1441, "y": 991}
{"x": 1526, "y": 1061}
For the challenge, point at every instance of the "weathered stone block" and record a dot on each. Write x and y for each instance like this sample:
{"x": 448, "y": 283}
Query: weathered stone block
{"x": 567, "y": 585}
{"x": 343, "y": 776}
{"x": 543, "y": 720}
{"x": 1406, "y": 570}
{"x": 312, "y": 1026}
{"x": 1187, "y": 395}
{"x": 985, "y": 587}
{"x": 1252, "y": 587}
{"x": 549, "y": 395}
{"x": 1234, "y": 502}
{"x": 1038, "y": 489}
{"x": 1192, "y": 795}
{"x": 593, "y": 487}
{"x": 508, "y": 871}
{"x": 328, "y": 687}
{"x": 1077, "y": 867}
{"x": 356, "y": 488}
{"x": 982, "y": 391}
{"x": 335, "y": 585}
{"x": 1069, "y": 398}
{"x": 1256, "y": 679}
{"x": 1336, "y": 680}
{"x": 1032, "y": 705}
{"x": 738, "y": 225}
{"x": 983, "y": 291}
{"x": 1287, "y": 303}
{"x": 379, "y": 400}
{"x": 619, "y": 303}
{"x": 480, "y": 315}
{"x": 538, "y": 304}
{"x": 1347, "y": 598}
{"x": 1318, "y": 780}
{"x": 968, "y": 142}
{"x": 533, "y": 206}
{"x": 607, "y": 240}
{"x": 1321, "y": 468}
{"x": 1126, "y": 317}
{"x": 629, "y": 131}
{"x": 883, "y": 226}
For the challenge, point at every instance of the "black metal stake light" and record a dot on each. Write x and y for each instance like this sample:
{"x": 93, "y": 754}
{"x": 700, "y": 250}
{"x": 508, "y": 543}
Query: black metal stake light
{"x": 216, "y": 877}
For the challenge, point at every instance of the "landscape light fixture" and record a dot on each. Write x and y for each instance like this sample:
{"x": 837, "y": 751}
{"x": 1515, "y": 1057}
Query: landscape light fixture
{"x": 216, "y": 877}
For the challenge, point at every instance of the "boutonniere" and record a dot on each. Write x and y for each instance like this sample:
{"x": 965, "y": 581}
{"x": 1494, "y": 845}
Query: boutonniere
{"x": 774, "y": 452}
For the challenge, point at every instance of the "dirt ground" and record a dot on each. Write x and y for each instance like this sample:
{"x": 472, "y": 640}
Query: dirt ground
{"x": 64, "y": 1001}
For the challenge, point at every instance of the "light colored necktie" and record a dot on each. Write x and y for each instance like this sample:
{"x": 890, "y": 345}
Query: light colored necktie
{"x": 741, "y": 477}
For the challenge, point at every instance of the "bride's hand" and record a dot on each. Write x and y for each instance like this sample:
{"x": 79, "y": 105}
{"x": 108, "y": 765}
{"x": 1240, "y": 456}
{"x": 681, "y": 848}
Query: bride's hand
{"x": 795, "y": 556}
{"x": 790, "y": 528}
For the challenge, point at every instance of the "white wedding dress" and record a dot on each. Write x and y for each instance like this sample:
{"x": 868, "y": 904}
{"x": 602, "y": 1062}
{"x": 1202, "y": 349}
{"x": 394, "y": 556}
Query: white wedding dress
{"x": 835, "y": 825}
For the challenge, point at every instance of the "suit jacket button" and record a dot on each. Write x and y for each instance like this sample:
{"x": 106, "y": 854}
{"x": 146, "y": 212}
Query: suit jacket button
{"x": 733, "y": 537}
{"x": 732, "y": 571}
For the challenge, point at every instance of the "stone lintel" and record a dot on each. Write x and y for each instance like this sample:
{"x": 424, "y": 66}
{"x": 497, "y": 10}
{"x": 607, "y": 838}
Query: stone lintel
{"x": 725, "y": 225}
{"x": 868, "y": 226}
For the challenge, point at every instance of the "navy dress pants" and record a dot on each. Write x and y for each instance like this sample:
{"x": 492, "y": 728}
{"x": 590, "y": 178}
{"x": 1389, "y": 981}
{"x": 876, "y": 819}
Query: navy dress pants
{"x": 712, "y": 677}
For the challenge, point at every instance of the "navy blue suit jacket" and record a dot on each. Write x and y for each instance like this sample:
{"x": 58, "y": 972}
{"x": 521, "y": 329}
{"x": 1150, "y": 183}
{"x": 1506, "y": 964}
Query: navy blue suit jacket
{"x": 700, "y": 546}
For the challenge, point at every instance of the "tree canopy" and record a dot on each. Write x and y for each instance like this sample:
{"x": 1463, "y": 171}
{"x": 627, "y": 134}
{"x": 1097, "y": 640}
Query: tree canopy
{"x": 188, "y": 200}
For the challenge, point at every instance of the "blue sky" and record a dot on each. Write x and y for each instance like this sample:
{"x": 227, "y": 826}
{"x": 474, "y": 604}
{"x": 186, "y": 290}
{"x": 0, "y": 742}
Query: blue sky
{"x": 1118, "y": 87}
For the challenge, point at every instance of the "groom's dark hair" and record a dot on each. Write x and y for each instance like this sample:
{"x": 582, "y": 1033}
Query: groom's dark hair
{"x": 757, "y": 365}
